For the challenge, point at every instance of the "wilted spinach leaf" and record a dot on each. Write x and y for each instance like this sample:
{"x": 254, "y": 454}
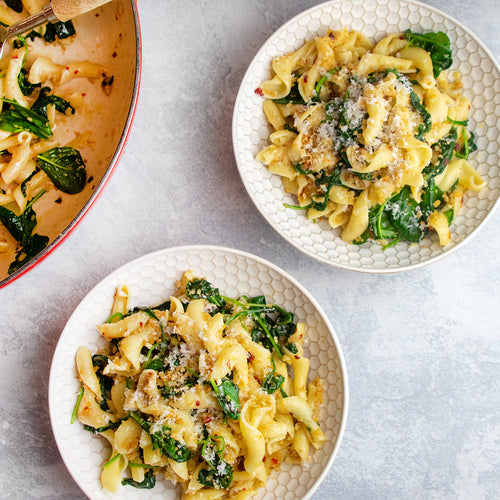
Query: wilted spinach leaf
{"x": 44, "y": 99}
{"x": 19, "y": 118}
{"x": 437, "y": 44}
{"x": 65, "y": 167}
{"x": 59, "y": 29}
{"x": 148, "y": 483}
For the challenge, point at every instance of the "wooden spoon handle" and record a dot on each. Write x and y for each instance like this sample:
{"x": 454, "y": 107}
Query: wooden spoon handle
{"x": 67, "y": 9}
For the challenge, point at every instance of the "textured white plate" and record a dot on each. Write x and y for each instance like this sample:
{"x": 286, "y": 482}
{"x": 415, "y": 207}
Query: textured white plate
{"x": 151, "y": 280}
{"x": 375, "y": 18}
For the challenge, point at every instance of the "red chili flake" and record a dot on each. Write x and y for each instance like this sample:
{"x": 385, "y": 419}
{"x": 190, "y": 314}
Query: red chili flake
{"x": 208, "y": 419}
{"x": 228, "y": 363}
{"x": 141, "y": 323}
{"x": 114, "y": 54}
{"x": 305, "y": 79}
{"x": 67, "y": 67}
{"x": 274, "y": 461}
{"x": 198, "y": 403}
{"x": 297, "y": 356}
{"x": 250, "y": 356}
{"x": 446, "y": 161}
{"x": 264, "y": 459}
{"x": 258, "y": 91}
{"x": 75, "y": 72}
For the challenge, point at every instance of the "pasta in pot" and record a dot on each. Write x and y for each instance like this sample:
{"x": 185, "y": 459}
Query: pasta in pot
{"x": 40, "y": 128}
{"x": 372, "y": 138}
{"x": 210, "y": 391}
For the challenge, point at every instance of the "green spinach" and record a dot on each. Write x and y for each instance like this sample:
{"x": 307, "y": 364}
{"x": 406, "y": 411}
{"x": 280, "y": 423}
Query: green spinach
{"x": 202, "y": 289}
{"x": 65, "y": 167}
{"x": 438, "y": 46}
{"x": 163, "y": 441}
{"x": 405, "y": 215}
{"x": 293, "y": 97}
{"x": 272, "y": 382}
{"x": 18, "y": 118}
{"x": 227, "y": 393}
{"x": 27, "y": 88}
{"x": 147, "y": 483}
{"x": 21, "y": 228}
{"x": 44, "y": 99}
{"x": 220, "y": 473}
{"x": 426, "y": 124}
{"x": 59, "y": 30}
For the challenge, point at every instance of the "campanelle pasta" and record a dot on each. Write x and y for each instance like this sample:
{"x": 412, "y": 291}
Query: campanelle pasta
{"x": 371, "y": 138}
{"x": 210, "y": 391}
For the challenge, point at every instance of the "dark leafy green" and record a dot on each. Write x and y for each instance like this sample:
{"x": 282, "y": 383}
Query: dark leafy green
{"x": 220, "y": 473}
{"x": 272, "y": 382}
{"x": 426, "y": 124}
{"x": 468, "y": 147}
{"x": 147, "y": 483}
{"x": 438, "y": 46}
{"x": 27, "y": 88}
{"x": 273, "y": 325}
{"x": 405, "y": 215}
{"x": 228, "y": 395}
{"x": 293, "y": 96}
{"x": 18, "y": 118}
{"x": 15, "y": 5}
{"x": 59, "y": 30}
{"x": 65, "y": 167}
{"x": 163, "y": 441}
{"x": 21, "y": 228}
{"x": 44, "y": 99}
{"x": 99, "y": 361}
{"x": 94, "y": 430}
{"x": 36, "y": 244}
{"x": 326, "y": 181}
{"x": 202, "y": 289}
{"x": 446, "y": 148}
{"x": 431, "y": 198}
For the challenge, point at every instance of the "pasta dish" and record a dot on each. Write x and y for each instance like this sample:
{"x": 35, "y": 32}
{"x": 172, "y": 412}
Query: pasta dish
{"x": 210, "y": 391}
{"x": 38, "y": 136}
{"x": 371, "y": 138}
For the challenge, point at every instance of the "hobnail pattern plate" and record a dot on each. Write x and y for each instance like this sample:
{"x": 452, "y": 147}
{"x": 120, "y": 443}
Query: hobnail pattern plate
{"x": 375, "y": 18}
{"x": 151, "y": 280}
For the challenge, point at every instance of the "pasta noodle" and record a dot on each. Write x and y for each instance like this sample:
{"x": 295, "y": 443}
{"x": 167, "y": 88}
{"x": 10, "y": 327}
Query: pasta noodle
{"x": 211, "y": 391}
{"x": 36, "y": 155}
{"x": 372, "y": 138}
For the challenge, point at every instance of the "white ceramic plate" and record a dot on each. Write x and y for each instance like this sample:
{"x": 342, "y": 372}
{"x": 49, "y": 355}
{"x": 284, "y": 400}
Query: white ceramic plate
{"x": 151, "y": 280}
{"x": 375, "y": 18}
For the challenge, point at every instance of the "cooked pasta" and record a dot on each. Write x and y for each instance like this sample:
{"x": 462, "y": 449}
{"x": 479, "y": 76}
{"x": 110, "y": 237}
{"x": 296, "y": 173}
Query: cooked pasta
{"x": 372, "y": 138}
{"x": 39, "y": 104}
{"x": 210, "y": 391}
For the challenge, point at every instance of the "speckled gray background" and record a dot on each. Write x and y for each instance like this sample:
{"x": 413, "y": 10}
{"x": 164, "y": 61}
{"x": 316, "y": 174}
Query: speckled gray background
{"x": 422, "y": 348}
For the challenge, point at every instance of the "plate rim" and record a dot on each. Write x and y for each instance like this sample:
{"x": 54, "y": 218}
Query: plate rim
{"x": 197, "y": 248}
{"x": 289, "y": 239}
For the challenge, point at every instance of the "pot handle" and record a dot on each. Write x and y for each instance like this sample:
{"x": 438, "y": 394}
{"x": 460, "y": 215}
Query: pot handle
{"x": 67, "y": 9}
